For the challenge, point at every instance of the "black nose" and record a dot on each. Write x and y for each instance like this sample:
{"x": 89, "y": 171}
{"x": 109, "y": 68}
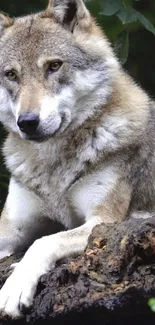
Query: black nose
{"x": 28, "y": 123}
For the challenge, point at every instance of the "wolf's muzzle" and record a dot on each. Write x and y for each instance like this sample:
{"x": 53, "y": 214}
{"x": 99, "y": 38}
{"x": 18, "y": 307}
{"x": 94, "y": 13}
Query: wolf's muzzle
{"x": 28, "y": 123}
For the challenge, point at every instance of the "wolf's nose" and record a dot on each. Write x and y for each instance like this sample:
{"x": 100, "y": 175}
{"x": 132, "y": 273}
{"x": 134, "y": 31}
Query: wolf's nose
{"x": 28, "y": 123}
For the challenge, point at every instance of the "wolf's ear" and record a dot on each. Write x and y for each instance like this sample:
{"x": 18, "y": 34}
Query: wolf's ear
{"x": 5, "y": 22}
{"x": 69, "y": 13}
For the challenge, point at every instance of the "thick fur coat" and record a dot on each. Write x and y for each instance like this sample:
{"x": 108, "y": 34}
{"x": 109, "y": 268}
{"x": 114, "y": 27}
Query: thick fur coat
{"x": 80, "y": 145}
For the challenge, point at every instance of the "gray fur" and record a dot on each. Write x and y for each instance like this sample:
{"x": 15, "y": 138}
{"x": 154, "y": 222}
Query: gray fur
{"x": 92, "y": 157}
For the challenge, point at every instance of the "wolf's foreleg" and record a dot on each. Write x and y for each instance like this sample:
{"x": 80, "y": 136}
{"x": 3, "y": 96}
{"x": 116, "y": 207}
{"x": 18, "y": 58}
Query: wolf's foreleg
{"x": 19, "y": 220}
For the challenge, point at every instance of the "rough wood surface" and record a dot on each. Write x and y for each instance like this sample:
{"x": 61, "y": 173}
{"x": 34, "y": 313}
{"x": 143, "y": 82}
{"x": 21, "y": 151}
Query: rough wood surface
{"x": 111, "y": 282}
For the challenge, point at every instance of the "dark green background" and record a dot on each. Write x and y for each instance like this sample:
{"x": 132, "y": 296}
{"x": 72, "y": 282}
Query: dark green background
{"x": 141, "y": 58}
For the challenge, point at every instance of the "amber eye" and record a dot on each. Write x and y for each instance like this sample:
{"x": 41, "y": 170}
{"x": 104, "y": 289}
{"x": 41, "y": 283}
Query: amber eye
{"x": 11, "y": 75}
{"x": 54, "y": 66}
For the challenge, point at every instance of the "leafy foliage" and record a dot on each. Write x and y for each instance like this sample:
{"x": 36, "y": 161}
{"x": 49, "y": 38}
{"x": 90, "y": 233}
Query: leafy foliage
{"x": 127, "y": 14}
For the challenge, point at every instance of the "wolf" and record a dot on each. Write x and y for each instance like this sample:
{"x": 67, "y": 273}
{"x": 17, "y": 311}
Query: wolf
{"x": 80, "y": 145}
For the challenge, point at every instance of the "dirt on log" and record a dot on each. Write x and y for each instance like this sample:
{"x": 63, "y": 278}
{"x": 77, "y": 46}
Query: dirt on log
{"x": 110, "y": 282}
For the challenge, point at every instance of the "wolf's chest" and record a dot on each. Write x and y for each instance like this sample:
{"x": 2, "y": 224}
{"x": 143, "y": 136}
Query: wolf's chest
{"x": 48, "y": 173}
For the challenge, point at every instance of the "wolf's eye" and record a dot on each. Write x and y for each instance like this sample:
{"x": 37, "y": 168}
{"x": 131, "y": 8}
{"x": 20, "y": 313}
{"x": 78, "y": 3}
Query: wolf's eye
{"x": 11, "y": 75}
{"x": 54, "y": 66}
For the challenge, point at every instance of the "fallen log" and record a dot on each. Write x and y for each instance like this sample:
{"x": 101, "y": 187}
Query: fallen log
{"x": 110, "y": 282}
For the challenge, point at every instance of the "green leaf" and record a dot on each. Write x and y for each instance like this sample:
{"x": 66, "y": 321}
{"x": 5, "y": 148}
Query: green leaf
{"x": 127, "y": 15}
{"x": 121, "y": 46}
{"x": 146, "y": 23}
{"x": 151, "y": 304}
{"x": 130, "y": 15}
{"x": 110, "y": 7}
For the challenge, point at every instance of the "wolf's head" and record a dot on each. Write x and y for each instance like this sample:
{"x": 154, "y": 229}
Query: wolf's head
{"x": 56, "y": 68}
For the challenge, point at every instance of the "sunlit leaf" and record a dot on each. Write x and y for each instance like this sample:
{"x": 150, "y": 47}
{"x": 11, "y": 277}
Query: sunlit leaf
{"x": 151, "y": 304}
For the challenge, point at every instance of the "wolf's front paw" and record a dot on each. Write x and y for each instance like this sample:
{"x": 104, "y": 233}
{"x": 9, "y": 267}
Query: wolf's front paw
{"x": 17, "y": 292}
{"x": 19, "y": 289}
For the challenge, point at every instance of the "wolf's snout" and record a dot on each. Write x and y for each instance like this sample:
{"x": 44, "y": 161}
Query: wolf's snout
{"x": 28, "y": 123}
